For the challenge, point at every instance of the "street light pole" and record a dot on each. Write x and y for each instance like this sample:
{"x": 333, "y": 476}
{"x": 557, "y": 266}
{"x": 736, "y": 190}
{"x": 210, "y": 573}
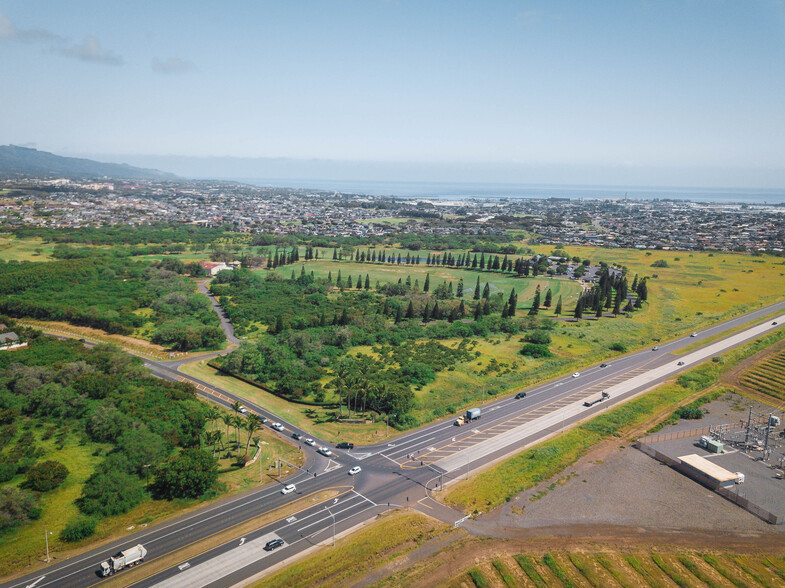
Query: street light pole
{"x": 327, "y": 508}
{"x": 46, "y": 538}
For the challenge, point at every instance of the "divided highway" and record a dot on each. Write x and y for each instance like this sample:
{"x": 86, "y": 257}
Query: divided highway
{"x": 403, "y": 472}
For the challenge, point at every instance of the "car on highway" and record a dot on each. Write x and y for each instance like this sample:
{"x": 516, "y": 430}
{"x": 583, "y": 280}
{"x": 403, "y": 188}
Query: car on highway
{"x": 693, "y": 334}
{"x": 774, "y": 323}
{"x": 273, "y": 544}
{"x": 355, "y": 470}
{"x": 345, "y": 445}
{"x": 655, "y": 348}
{"x": 680, "y": 363}
{"x": 325, "y": 451}
{"x": 310, "y": 442}
{"x": 297, "y": 436}
{"x": 288, "y": 489}
{"x": 263, "y": 420}
{"x": 605, "y": 365}
{"x": 243, "y": 410}
{"x": 576, "y": 374}
{"x": 277, "y": 426}
{"x": 520, "y": 395}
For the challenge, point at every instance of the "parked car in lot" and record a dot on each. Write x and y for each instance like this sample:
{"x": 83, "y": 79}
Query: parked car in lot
{"x": 310, "y": 442}
{"x": 520, "y": 395}
{"x": 277, "y": 426}
{"x": 325, "y": 451}
{"x": 345, "y": 445}
{"x": 297, "y": 436}
{"x": 288, "y": 489}
{"x": 576, "y": 374}
{"x": 355, "y": 470}
{"x": 273, "y": 544}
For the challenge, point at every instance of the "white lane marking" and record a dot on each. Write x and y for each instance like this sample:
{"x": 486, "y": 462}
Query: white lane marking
{"x": 242, "y": 540}
{"x": 364, "y": 497}
{"x": 329, "y": 517}
{"x": 36, "y": 582}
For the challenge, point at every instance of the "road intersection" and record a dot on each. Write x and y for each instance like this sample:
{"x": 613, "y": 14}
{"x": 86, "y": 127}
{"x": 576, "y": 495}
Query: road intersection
{"x": 403, "y": 472}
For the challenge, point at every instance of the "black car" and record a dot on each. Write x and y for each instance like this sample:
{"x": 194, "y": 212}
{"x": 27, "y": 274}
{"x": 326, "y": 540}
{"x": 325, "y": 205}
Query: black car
{"x": 273, "y": 544}
{"x": 345, "y": 445}
{"x": 297, "y": 436}
{"x": 520, "y": 395}
{"x": 603, "y": 365}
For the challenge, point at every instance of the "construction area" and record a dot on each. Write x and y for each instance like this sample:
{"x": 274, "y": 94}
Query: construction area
{"x": 743, "y": 460}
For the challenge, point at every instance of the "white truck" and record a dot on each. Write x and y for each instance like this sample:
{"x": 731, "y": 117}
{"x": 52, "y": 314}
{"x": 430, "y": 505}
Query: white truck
{"x": 124, "y": 559}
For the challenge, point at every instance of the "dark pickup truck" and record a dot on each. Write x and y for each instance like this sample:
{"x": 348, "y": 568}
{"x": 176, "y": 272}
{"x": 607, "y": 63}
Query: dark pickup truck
{"x": 345, "y": 445}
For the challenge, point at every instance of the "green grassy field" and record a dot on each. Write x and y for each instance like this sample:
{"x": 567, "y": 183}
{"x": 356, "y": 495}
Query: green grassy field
{"x": 767, "y": 377}
{"x": 360, "y": 553}
{"x": 524, "y": 287}
{"x": 12, "y": 248}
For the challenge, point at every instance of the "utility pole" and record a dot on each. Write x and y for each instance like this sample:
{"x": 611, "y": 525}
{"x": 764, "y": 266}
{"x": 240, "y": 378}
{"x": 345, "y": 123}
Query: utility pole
{"x": 46, "y": 538}
{"x": 327, "y": 508}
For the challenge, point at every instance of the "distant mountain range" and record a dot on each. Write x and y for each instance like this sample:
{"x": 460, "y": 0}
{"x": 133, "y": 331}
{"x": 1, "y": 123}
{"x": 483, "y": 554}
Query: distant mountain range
{"x": 22, "y": 161}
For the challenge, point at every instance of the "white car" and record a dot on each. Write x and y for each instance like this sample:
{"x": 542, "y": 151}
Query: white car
{"x": 288, "y": 489}
{"x": 655, "y": 348}
{"x": 277, "y": 426}
{"x": 310, "y": 442}
{"x": 693, "y": 334}
{"x": 355, "y": 470}
{"x": 576, "y": 374}
{"x": 243, "y": 410}
{"x": 325, "y": 451}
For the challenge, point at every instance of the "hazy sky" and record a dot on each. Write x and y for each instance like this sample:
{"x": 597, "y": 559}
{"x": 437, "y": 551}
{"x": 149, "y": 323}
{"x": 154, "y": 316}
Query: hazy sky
{"x": 669, "y": 90}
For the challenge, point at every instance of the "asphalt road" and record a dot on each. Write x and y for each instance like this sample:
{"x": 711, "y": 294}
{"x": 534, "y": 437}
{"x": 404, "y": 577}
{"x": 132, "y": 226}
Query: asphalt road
{"x": 399, "y": 473}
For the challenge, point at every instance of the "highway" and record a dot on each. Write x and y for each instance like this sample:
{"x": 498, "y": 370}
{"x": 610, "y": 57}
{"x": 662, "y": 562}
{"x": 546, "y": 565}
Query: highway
{"x": 403, "y": 472}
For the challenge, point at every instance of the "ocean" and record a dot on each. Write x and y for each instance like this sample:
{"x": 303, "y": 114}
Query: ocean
{"x": 465, "y": 191}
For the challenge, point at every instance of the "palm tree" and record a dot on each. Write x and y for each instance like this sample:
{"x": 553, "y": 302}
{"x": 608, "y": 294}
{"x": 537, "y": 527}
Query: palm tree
{"x": 227, "y": 420}
{"x": 213, "y": 438}
{"x": 252, "y": 423}
{"x": 213, "y": 414}
{"x": 236, "y": 407}
{"x": 237, "y": 423}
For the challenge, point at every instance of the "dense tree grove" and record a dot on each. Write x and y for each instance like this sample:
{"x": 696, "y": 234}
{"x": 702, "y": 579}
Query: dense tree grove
{"x": 105, "y": 293}
{"x": 98, "y": 395}
{"x": 311, "y": 324}
{"x": 611, "y": 294}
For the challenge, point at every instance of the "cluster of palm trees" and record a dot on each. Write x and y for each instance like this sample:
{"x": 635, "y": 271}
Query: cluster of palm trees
{"x": 250, "y": 423}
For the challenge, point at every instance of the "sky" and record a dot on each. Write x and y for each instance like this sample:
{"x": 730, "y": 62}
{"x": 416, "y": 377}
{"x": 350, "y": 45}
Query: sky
{"x": 640, "y": 92}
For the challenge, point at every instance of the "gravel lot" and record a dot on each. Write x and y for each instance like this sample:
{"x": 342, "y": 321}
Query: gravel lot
{"x": 620, "y": 486}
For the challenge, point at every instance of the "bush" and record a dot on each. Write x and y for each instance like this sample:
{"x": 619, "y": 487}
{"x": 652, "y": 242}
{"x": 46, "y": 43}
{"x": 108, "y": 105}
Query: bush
{"x": 110, "y": 492}
{"x": 78, "y": 529}
{"x": 689, "y": 413}
{"x": 538, "y": 337}
{"x": 619, "y": 347}
{"x": 187, "y": 475}
{"x": 7, "y": 471}
{"x": 535, "y": 350}
{"x": 17, "y": 507}
{"x": 46, "y": 476}
{"x": 660, "y": 263}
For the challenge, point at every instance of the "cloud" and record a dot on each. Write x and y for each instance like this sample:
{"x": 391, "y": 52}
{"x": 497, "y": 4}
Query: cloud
{"x": 9, "y": 32}
{"x": 171, "y": 66}
{"x": 91, "y": 50}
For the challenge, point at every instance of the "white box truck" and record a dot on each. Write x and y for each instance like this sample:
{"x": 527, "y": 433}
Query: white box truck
{"x": 124, "y": 559}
